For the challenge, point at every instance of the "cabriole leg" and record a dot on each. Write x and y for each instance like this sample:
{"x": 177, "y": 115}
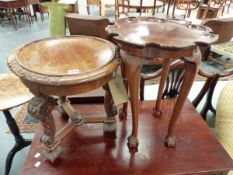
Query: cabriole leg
{"x": 191, "y": 67}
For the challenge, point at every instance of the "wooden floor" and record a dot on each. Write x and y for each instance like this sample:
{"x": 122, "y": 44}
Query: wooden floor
{"x": 88, "y": 151}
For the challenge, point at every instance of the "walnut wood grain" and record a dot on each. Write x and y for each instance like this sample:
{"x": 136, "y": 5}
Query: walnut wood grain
{"x": 12, "y": 92}
{"x": 145, "y": 39}
{"x": 87, "y": 25}
{"x": 44, "y": 65}
{"x": 163, "y": 33}
{"x": 64, "y": 66}
{"x": 88, "y": 152}
{"x": 60, "y": 55}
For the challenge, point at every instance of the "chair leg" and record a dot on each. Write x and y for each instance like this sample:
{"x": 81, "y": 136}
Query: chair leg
{"x": 123, "y": 110}
{"x": 208, "y": 104}
{"x": 228, "y": 8}
{"x": 142, "y": 87}
{"x": 203, "y": 91}
{"x": 166, "y": 65}
{"x": 34, "y": 12}
{"x": 11, "y": 16}
{"x": 20, "y": 142}
{"x": 88, "y": 10}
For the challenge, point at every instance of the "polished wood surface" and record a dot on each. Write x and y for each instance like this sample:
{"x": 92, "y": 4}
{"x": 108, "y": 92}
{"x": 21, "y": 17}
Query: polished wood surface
{"x": 12, "y": 92}
{"x": 64, "y": 66}
{"x": 62, "y": 55}
{"x": 80, "y": 64}
{"x": 87, "y": 25}
{"x": 145, "y": 39}
{"x": 169, "y": 34}
{"x": 88, "y": 152}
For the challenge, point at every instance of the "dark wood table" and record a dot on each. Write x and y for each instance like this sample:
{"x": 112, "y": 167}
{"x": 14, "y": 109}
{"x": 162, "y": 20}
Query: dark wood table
{"x": 61, "y": 67}
{"x": 88, "y": 152}
{"x": 143, "y": 40}
{"x": 10, "y": 5}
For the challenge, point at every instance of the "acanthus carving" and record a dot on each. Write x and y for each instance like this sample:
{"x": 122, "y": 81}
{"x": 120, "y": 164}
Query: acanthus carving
{"x": 32, "y": 76}
{"x": 40, "y": 108}
{"x": 109, "y": 105}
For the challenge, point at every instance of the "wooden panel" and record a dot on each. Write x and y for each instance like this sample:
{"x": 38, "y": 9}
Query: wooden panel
{"x": 61, "y": 56}
{"x": 88, "y": 151}
{"x": 12, "y": 92}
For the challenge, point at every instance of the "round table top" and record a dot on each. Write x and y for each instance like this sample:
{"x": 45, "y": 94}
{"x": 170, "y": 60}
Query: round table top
{"x": 64, "y": 61}
{"x": 163, "y": 33}
{"x": 12, "y": 92}
{"x": 65, "y": 56}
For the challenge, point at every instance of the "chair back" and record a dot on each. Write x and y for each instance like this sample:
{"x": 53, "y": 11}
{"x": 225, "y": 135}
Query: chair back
{"x": 127, "y": 6}
{"x": 223, "y": 27}
{"x": 121, "y": 7}
{"x": 87, "y": 25}
{"x": 95, "y": 3}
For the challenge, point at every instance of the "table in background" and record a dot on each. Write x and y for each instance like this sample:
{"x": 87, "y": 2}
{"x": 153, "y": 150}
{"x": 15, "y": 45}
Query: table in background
{"x": 72, "y": 3}
{"x": 10, "y": 5}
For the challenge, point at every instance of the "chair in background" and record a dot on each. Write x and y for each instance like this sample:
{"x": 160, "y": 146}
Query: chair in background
{"x": 94, "y": 3}
{"x": 187, "y": 6}
{"x": 209, "y": 68}
{"x": 13, "y": 93}
{"x": 224, "y": 119}
{"x": 91, "y": 26}
{"x": 227, "y": 4}
{"x": 172, "y": 84}
{"x": 210, "y": 10}
{"x": 136, "y": 8}
{"x": 14, "y": 8}
{"x": 87, "y": 25}
{"x": 36, "y": 6}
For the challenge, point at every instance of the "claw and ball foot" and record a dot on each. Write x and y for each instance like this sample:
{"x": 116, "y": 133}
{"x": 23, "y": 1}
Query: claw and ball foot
{"x": 133, "y": 143}
{"x": 53, "y": 155}
{"x": 157, "y": 113}
{"x": 122, "y": 114}
{"x": 170, "y": 141}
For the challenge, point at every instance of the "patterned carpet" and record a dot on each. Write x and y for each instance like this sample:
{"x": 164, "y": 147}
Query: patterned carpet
{"x": 25, "y": 122}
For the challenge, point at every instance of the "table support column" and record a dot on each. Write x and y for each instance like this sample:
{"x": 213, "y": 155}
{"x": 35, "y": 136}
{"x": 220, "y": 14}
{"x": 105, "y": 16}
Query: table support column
{"x": 166, "y": 65}
{"x": 132, "y": 68}
{"x": 124, "y": 109}
{"x": 20, "y": 142}
{"x": 40, "y": 108}
{"x": 191, "y": 68}
{"x": 111, "y": 110}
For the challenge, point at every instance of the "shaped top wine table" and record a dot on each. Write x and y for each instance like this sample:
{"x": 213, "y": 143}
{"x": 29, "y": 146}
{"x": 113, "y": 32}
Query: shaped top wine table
{"x": 145, "y": 39}
{"x": 61, "y": 67}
